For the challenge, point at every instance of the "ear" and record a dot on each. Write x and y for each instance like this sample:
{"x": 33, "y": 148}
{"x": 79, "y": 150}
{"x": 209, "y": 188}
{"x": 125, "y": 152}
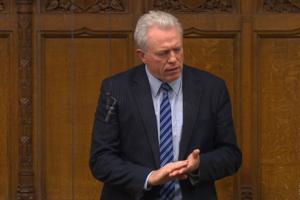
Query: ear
{"x": 141, "y": 54}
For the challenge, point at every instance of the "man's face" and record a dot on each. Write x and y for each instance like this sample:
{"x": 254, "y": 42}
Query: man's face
{"x": 164, "y": 54}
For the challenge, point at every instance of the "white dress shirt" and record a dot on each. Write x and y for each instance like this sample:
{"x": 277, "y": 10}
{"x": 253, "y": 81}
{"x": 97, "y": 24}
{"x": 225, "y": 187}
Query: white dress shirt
{"x": 175, "y": 97}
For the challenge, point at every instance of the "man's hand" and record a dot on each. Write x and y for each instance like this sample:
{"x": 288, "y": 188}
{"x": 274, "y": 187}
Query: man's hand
{"x": 193, "y": 161}
{"x": 170, "y": 171}
{"x": 175, "y": 170}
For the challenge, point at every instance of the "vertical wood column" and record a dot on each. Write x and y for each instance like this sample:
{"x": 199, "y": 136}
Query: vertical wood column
{"x": 25, "y": 187}
{"x": 248, "y": 172}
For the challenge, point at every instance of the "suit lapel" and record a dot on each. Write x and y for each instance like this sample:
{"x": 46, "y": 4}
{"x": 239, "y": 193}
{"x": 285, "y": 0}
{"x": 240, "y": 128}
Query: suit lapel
{"x": 142, "y": 93}
{"x": 192, "y": 92}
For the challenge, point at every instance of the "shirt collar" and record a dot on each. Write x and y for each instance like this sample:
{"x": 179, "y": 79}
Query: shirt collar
{"x": 156, "y": 83}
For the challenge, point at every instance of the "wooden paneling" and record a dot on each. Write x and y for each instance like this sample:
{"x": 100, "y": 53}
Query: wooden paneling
{"x": 216, "y": 55}
{"x": 5, "y": 132}
{"x": 194, "y": 6}
{"x": 54, "y": 54}
{"x": 279, "y": 118}
{"x": 77, "y": 6}
{"x": 71, "y": 71}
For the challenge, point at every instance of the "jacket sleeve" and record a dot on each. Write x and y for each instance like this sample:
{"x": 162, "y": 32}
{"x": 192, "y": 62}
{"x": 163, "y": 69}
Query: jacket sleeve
{"x": 225, "y": 158}
{"x": 106, "y": 162}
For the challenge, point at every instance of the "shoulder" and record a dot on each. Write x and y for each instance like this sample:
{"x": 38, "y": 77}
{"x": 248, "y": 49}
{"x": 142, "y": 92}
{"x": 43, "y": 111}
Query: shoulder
{"x": 128, "y": 74}
{"x": 204, "y": 77}
{"x": 125, "y": 77}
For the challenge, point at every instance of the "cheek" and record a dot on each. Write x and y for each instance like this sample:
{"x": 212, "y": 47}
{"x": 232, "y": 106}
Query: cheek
{"x": 156, "y": 68}
{"x": 181, "y": 57}
{"x": 158, "y": 65}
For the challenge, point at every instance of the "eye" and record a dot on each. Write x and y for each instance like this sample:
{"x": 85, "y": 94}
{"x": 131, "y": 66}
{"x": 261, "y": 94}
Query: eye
{"x": 177, "y": 50}
{"x": 162, "y": 53}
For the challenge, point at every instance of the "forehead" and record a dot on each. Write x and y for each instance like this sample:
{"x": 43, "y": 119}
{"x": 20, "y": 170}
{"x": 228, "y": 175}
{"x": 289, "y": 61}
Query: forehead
{"x": 163, "y": 36}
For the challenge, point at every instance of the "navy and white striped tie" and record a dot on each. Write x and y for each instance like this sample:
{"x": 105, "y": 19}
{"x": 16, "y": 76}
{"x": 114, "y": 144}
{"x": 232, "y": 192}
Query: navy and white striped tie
{"x": 167, "y": 191}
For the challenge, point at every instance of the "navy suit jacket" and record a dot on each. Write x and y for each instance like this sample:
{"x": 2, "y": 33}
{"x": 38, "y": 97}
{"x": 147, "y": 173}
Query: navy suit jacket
{"x": 125, "y": 147}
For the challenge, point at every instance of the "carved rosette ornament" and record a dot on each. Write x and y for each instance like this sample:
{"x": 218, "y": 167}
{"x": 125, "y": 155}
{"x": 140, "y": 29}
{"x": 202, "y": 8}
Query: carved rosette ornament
{"x": 194, "y": 6}
{"x": 84, "y": 6}
{"x": 247, "y": 192}
{"x": 282, "y": 6}
{"x": 2, "y": 6}
{"x": 25, "y": 190}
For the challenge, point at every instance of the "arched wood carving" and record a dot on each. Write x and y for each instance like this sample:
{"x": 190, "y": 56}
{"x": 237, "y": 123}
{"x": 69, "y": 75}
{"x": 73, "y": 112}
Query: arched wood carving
{"x": 189, "y": 6}
{"x": 25, "y": 190}
{"x": 282, "y": 6}
{"x": 82, "y": 6}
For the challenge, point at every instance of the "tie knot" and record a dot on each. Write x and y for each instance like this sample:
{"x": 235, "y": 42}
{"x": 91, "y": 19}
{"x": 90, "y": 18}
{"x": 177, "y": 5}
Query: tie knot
{"x": 165, "y": 87}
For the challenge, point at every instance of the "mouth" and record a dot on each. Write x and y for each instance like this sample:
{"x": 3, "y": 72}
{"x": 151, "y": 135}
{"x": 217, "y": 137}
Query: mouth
{"x": 173, "y": 69}
{"x": 172, "y": 73}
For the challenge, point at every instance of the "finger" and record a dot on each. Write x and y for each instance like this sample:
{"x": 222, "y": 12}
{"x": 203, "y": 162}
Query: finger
{"x": 196, "y": 153}
{"x": 176, "y": 165}
{"x": 178, "y": 172}
{"x": 178, "y": 176}
{"x": 174, "y": 173}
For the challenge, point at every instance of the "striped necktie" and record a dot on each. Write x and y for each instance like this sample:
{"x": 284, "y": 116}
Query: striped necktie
{"x": 167, "y": 191}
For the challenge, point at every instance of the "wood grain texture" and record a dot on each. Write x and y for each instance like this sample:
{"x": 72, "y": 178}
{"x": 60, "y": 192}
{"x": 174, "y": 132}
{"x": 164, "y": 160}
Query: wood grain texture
{"x": 5, "y": 160}
{"x": 215, "y": 55}
{"x": 54, "y": 54}
{"x": 279, "y": 118}
{"x": 71, "y": 75}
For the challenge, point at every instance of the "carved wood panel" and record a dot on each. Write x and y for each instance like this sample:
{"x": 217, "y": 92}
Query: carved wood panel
{"x": 85, "y": 6}
{"x": 5, "y": 115}
{"x": 194, "y": 5}
{"x": 279, "y": 118}
{"x": 50, "y": 78}
{"x": 70, "y": 76}
{"x": 282, "y": 6}
{"x": 25, "y": 188}
{"x": 213, "y": 54}
{"x": 216, "y": 55}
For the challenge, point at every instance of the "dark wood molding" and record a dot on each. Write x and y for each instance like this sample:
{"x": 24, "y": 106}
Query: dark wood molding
{"x": 84, "y": 32}
{"x": 25, "y": 188}
{"x": 5, "y": 34}
{"x": 89, "y": 6}
{"x": 285, "y": 6}
{"x": 2, "y": 5}
{"x": 195, "y": 32}
{"x": 186, "y": 7}
{"x": 279, "y": 34}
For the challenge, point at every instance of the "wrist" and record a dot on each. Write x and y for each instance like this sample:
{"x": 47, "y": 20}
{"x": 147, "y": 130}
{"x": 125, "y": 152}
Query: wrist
{"x": 147, "y": 186}
{"x": 151, "y": 179}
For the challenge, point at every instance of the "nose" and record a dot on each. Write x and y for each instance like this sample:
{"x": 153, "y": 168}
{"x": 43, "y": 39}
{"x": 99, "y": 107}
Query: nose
{"x": 172, "y": 57}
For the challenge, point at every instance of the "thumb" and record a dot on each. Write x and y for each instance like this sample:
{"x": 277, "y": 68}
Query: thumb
{"x": 196, "y": 153}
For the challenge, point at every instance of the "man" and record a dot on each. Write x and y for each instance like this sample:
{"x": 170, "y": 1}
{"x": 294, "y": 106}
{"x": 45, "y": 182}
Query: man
{"x": 162, "y": 130}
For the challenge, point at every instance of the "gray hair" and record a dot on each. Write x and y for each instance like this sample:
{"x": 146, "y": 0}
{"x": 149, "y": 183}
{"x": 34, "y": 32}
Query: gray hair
{"x": 153, "y": 18}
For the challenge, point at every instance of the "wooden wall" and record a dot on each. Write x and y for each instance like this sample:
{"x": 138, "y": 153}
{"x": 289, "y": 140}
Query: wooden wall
{"x": 54, "y": 54}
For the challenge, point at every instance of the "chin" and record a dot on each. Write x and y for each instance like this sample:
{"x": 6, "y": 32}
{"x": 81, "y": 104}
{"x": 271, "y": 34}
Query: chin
{"x": 173, "y": 78}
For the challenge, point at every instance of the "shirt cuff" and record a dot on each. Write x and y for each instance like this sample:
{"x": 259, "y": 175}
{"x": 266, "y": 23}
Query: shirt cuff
{"x": 147, "y": 187}
{"x": 193, "y": 178}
